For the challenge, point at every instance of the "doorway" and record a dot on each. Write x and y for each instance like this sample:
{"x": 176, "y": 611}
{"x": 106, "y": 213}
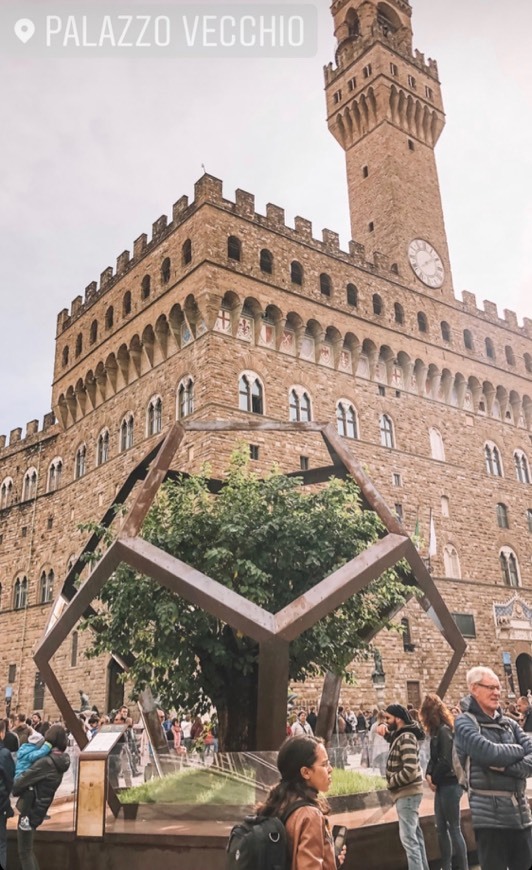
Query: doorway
{"x": 523, "y": 666}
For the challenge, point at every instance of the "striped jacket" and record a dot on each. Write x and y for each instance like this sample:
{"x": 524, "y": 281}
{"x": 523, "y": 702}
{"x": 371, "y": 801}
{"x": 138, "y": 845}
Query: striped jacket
{"x": 403, "y": 770}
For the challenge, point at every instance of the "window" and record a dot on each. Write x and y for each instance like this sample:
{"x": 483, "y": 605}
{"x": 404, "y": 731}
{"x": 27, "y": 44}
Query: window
{"x": 528, "y": 363}
{"x": 54, "y": 475}
{"x": 50, "y": 523}
{"x": 445, "y": 330}
{"x": 502, "y": 516}
{"x": 166, "y": 270}
{"x": 254, "y": 451}
{"x": 304, "y": 465}
{"x": 365, "y": 172}
{"x": 126, "y": 304}
{"x": 490, "y": 349}
{"x": 300, "y": 408}
{"x": 398, "y": 313}
{"x": 465, "y": 623}
{"x": 234, "y": 248}
{"x": 74, "y": 649}
{"x": 429, "y": 93}
{"x": 65, "y": 355}
{"x": 437, "y": 449}
{"x": 109, "y": 317}
{"x": 396, "y": 479}
{"x": 154, "y": 416}
{"x": 394, "y": 70}
{"x": 266, "y": 261}
{"x": 366, "y": 72}
{"x": 29, "y": 486}
{"x": 381, "y": 390}
{"x": 20, "y": 593}
{"x": 353, "y": 27}
{"x": 408, "y": 646}
{"x": 398, "y": 508}
{"x": 451, "y": 562}
{"x": 46, "y": 587}
{"x": 352, "y": 295}
{"x": 422, "y": 321}
{"x": 102, "y": 447}
{"x": 325, "y": 284}
{"x": 371, "y": 227}
{"x": 145, "y": 287}
{"x": 6, "y": 493}
{"x": 187, "y": 252}
{"x": 529, "y": 519}
{"x": 386, "y": 430}
{"x": 79, "y": 344}
{"x": 80, "y": 465}
{"x": 351, "y": 84}
{"x": 468, "y": 340}
{"x": 12, "y": 674}
{"x": 93, "y": 335}
{"x": 346, "y": 420}
{"x": 377, "y": 304}
{"x": 521, "y": 467}
{"x": 493, "y": 460}
{"x": 412, "y": 82}
{"x": 296, "y": 273}
{"x": 510, "y": 356}
{"x": 38, "y": 692}
{"x": 250, "y": 394}
{"x": 445, "y": 506}
{"x": 509, "y": 567}
{"x": 411, "y": 146}
{"x": 185, "y": 398}
{"x": 126, "y": 432}
{"x": 337, "y": 97}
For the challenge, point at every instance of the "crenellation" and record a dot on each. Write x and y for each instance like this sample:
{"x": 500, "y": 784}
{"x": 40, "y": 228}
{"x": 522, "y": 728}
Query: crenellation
{"x": 470, "y": 301}
{"x": 15, "y": 436}
{"x": 106, "y": 277}
{"x": 357, "y": 252}
{"x": 527, "y": 326}
{"x": 490, "y": 309}
{"x": 510, "y": 318}
{"x": 381, "y": 261}
{"x": 139, "y": 246}
{"x": 179, "y": 208}
{"x": 75, "y": 306}
{"x": 303, "y": 228}
{"x": 32, "y": 428}
{"x": 48, "y": 421}
{"x": 244, "y": 203}
{"x": 2, "y": 442}
{"x": 158, "y": 227}
{"x": 122, "y": 262}
{"x": 276, "y": 216}
{"x": 91, "y": 290}
{"x": 63, "y": 320}
{"x": 331, "y": 240}
{"x": 208, "y": 189}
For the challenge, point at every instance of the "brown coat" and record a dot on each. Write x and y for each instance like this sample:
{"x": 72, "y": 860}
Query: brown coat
{"x": 310, "y": 840}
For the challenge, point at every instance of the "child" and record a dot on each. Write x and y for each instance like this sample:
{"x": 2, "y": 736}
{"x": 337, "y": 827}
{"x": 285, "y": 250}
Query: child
{"x": 36, "y": 747}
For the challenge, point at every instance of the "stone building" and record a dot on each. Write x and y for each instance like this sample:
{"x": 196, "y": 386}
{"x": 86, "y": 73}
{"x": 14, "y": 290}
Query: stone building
{"x": 224, "y": 311}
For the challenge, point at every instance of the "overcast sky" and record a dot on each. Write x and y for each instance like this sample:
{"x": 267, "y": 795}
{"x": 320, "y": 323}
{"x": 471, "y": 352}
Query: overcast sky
{"x": 93, "y": 151}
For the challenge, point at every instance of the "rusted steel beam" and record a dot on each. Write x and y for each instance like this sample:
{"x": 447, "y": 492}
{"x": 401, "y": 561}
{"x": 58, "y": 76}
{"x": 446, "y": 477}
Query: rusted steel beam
{"x": 328, "y": 708}
{"x": 272, "y": 694}
{"x": 198, "y": 589}
{"x": 155, "y": 477}
{"x": 54, "y": 686}
{"x": 450, "y": 671}
{"x": 351, "y": 578}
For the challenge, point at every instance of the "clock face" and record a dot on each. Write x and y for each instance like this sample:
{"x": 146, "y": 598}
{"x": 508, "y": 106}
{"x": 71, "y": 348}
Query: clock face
{"x": 426, "y": 263}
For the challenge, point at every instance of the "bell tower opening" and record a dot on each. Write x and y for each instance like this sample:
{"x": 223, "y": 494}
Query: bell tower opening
{"x": 353, "y": 24}
{"x": 388, "y": 20}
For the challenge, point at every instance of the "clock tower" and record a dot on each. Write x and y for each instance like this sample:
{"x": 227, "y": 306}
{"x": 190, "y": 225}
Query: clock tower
{"x": 384, "y": 107}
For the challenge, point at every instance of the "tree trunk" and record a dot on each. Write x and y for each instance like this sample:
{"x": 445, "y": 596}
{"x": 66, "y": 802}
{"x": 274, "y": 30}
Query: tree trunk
{"x": 237, "y": 713}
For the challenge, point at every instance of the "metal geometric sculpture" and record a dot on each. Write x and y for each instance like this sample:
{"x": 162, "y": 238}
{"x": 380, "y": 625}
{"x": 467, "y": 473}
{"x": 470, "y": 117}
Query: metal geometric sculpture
{"x": 273, "y": 632}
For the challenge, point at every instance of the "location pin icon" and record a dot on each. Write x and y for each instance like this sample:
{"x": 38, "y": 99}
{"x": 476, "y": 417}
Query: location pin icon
{"x": 24, "y": 29}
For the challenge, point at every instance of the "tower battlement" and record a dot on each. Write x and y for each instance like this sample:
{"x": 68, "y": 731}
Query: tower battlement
{"x": 33, "y": 434}
{"x": 352, "y": 50}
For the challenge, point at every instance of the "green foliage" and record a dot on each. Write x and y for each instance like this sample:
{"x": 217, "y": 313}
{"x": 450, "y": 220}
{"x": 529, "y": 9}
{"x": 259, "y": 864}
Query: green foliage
{"x": 352, "y": 782}
{"x": 269, "y": 540}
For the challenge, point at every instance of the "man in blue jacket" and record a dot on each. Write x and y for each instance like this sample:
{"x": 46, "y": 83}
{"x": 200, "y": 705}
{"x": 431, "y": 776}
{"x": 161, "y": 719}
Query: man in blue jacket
{"x": 497, "y": 756}
{"x": 7, "y": 772}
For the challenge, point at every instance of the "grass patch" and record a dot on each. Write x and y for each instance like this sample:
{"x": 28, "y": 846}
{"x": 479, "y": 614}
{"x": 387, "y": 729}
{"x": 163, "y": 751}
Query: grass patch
{"x": 351, "y": 782}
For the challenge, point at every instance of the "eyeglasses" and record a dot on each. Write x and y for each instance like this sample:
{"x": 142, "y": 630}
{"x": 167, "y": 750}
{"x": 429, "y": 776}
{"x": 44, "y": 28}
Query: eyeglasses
{"x": 487, "y": 686}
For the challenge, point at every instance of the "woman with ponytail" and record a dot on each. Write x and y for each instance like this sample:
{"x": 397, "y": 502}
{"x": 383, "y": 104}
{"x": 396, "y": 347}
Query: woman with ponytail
{"x": 305, "y": 775}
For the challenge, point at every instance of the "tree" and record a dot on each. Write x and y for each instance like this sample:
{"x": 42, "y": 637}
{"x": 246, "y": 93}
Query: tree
{"x": 268, "y": 539}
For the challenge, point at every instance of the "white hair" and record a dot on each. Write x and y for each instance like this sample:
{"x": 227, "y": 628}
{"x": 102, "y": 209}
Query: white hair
{"x": 477, "y": 674}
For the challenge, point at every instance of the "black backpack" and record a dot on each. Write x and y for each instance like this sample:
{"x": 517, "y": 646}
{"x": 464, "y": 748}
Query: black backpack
{"x": 260, "y": 843}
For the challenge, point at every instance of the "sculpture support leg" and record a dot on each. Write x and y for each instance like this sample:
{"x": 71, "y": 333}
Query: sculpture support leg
{"x": 272, "y": 694}
{"x": 328, "y": 706}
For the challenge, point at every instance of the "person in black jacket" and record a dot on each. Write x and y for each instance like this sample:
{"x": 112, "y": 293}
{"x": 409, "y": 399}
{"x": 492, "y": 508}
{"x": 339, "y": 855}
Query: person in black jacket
{"x": 44, "y": 777}
{"x": 7, "y": 772}
{"x": 526, "y": 712}
{"x": 438, "y": 721}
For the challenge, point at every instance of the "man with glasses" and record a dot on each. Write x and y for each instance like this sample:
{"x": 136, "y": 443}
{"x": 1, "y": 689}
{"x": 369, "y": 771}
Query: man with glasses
{"x": 497, "y": 756}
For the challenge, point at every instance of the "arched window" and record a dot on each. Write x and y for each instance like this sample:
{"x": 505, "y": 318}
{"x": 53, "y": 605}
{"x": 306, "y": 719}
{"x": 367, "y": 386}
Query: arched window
{"x": 353, "y": 27}
{"x": 93, "y": 335}
{"x": 20, "y": 593}
{"x": 266, "y": 261}
{"x": 29, "y": 486}
{"x": 445, "y": 506}
{"x": 65, "y": 356}
{"x": 398, "y": 313}
{"x": 234, "y": 248}
{"x": 6, "y": 493}
{"x": 510, "y": 356}
{"x": 102, "y": 447}
{"x": 80, "y": 464}
{"x": 299, "y": 405}
{"x": 352, "y": 295}
{"x": 509, "y": 567}
{"x": 126, "y": 303}
{"x": 490, "y": 348}
{"x": 250, "y": 393}
{"x": 325, "y": 284}
{"x": 451, "y": 562}
{"x": 528, "y": 363}
{"x": 187, "y": 252}
{"x": 166, "y": 270}
{"x": 296, "y": 273}
{"x": 185, "y": 398}
{"x": 126, "y": 432}
{"x": 79, "y": 344}
{"x": 386, "y": 430}
{"x": 422, "y": 321}
{"x": 46, "y": 587}
{"x": 502, "y": 516}
{"x": 55, "y": 470}
{"x": 521, "y": 467}
{"x": 437, "y": 448}
{"x": 445, "y": 330}
{"x": 109, "y": 317}
{"x": 377, "y": 304}
{"x": 529, "y": 519}
{"x": 492, "y": 457}
{"x": 468, "y": 339}
{"x": 154, "y": 416}
{"x": 145, "y": 287}
{"x": 346, "y": 419}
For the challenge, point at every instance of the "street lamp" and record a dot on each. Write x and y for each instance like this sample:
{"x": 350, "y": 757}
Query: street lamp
{"x": 378, "y": 678}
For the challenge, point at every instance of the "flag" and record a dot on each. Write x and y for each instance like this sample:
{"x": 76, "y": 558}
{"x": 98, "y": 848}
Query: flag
{"x": 432, "y": 537}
